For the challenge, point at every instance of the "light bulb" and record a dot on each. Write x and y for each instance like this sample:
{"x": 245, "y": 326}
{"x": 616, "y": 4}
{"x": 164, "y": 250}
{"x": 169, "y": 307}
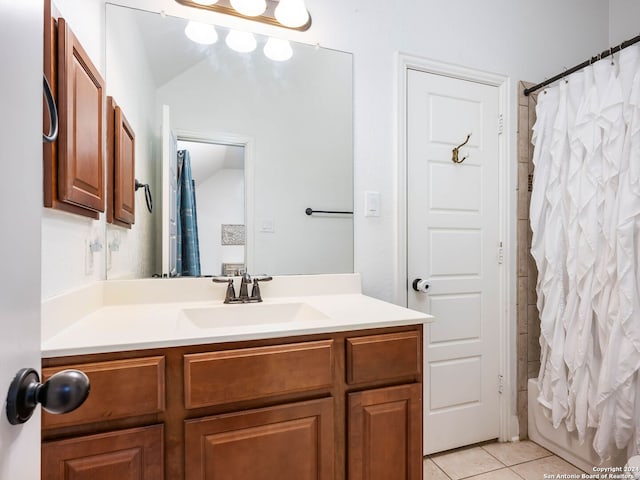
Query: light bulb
{"x": 278, "y": 49}
{"x": 202, "y": 33}
{"x": 292, "y": 13}
{"x": 205, "y": 2}
{"x": 243, "y": 42}
{"x": 250, "y": 8}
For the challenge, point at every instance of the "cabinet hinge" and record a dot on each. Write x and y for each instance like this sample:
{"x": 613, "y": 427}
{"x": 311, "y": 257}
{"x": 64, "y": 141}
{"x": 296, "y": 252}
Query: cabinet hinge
{"x": 500, "y": 124}
{"x": 500, "y": 383}
{"x": 500, "y": 254}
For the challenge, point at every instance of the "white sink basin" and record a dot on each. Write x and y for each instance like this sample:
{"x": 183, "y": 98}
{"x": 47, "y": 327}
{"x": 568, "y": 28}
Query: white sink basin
{"x": 252, "y": 314}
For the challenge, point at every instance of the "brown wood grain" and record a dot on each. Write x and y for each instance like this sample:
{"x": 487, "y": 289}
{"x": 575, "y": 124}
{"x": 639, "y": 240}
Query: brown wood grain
{"x": 134, "y": 454}
{"x": 383, "y": 357}
{"x": 81, "y": 109}
{"x": 120, "y": 167}
{"x": 293, "y": 441}
{"x": 385, "y": 434}
{"x": 118, "y": 389}
{"x": 50, "y": 150}
{"x": 175, "y": 414}
{"x": 248, "y": 373}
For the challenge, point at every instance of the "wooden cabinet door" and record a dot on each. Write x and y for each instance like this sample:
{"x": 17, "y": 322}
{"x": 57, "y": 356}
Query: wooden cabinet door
{"x": 293, "y": 441}
{"x": 121, "y": 141}
{"x": 133, "y": 454}
{"x": 385, "y": 434}
{"x": 81, "y": 105}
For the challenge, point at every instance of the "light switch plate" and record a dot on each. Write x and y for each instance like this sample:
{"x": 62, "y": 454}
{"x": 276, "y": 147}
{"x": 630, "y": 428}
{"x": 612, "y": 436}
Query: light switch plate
{"x": 371, "y": 204}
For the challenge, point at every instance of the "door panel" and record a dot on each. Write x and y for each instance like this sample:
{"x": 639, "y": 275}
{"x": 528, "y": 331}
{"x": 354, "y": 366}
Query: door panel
{"x": 21, "y": 211}
{"x": 453, "y": 244}
{"x": 383, "y": 441}
{"x": 169, "y": 195}
{"x": 293, "y": 441}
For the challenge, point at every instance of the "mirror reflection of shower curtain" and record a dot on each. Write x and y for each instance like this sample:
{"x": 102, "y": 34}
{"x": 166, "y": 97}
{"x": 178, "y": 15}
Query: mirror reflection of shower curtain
{"x": 188, "y": 254}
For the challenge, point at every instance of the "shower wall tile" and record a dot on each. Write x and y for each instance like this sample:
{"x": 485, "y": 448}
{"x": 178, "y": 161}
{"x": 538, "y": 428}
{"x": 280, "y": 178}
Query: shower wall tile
{"x": 523, "y": 249}
{"x": 522, "y": 305}
{"x": 523, "y": 340}
{"x": 533, "y": 332}
{"x": 523, "y": 192}
{"x": 528, "y": 322}
{"x": 532, "y": 280}
{"x": 523, "y": 419}
{"x": 533, "y": 368}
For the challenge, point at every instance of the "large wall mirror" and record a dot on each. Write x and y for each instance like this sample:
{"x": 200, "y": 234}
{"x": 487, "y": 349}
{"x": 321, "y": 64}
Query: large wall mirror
{"x": 258, "y": 142}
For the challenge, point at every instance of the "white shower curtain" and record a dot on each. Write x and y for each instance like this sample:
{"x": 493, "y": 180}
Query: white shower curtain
{"x": 585, "y": 218}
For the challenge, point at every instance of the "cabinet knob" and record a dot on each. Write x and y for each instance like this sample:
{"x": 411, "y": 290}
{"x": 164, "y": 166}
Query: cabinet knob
{"x": 62, "y": 393}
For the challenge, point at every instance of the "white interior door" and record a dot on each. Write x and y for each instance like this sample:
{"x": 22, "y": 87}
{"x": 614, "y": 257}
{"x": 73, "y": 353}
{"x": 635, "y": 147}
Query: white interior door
{"x": 453, "y": 244}
{"x": 20, "y": 214}
{"x": 169, "y": 195}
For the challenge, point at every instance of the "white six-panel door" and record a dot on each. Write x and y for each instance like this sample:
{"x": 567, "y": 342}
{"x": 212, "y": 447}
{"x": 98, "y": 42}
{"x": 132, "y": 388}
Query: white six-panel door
{"x": 453, "y": 244}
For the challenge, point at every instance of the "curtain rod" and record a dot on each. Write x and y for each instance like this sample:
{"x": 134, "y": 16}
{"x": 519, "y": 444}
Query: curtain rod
{"x": 604, "y": 54}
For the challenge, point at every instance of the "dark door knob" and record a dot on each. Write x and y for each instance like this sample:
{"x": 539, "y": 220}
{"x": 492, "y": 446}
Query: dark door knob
{"x": 63, "y": 392}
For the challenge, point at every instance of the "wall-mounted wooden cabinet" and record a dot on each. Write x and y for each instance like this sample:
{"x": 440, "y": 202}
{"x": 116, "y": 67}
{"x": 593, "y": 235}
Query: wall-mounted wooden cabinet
{"x": 74, "y": 164}
{"x": 333, "y": 406}
{"x": 121, "y": 167}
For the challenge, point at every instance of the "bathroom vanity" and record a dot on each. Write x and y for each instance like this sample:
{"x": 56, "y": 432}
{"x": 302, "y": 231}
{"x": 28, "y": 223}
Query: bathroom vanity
{"x": 320, "y": 387}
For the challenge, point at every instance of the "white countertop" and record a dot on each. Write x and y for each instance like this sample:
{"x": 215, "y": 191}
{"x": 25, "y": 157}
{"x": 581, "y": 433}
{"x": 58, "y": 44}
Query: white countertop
{"x": 114, "y": 322}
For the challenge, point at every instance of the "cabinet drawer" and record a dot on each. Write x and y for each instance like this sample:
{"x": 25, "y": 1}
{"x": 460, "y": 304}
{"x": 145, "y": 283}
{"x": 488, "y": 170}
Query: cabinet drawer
{"x": 119, "y": 389}
{"x": 293, "y": 441}
{"x": 133, "y": 454}
{"x": 216, "y": 378}
{"x": 383, "y": 357}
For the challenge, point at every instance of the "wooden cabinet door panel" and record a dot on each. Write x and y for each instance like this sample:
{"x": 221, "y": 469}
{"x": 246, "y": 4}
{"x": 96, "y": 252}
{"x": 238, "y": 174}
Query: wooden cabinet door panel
{"x": 81, "y": 103}
{"x": 133, "y": 454}
{"x": 124, "y": 169}
{"x": 385, "y": 434}
{"x": 292, "y": 441}
{"x": 251, "y": 373}
{"x": 119, "y": 389}
{"x": 120, "y": 167}
{"x": 383, "y": 357}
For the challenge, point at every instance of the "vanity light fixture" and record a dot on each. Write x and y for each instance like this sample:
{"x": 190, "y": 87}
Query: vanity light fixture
{"x": 201, "y": 33}
{"x": 277, "y": 49}
{"x": 290, "y": 14}
{"x": 249, "y": 8}
{"x": 242, "y": 42}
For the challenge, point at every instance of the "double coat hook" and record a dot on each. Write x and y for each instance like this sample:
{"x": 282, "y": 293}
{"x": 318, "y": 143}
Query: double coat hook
{"x": 456, "y": 150}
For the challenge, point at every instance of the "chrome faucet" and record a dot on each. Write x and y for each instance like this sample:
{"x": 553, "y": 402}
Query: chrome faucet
{"x": 243, "y": 295}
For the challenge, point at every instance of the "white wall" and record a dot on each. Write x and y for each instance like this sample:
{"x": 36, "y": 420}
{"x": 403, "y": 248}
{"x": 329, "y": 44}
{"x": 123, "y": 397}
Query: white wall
{"x": 524, "y": 40}
{"x": 624, "y": 21}
{"x": 132, "y": 252}
{"x": 221, "y": 197}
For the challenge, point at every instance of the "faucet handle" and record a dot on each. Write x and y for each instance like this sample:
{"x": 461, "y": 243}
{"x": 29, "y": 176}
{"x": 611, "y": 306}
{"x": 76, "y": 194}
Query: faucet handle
{"x": 255, "y": 290}
{"x": 262, "y": 278}
{"x": 230, "y": 294}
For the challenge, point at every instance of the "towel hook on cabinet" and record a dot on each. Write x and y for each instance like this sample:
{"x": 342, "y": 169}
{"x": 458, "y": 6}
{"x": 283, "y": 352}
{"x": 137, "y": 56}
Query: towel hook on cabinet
{"x": 53, "y": 113}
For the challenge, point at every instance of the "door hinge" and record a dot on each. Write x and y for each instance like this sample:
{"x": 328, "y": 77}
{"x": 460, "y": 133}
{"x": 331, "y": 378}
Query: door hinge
{"x": 500, "y": 124}
{"x": 500, "y": 254}
{"x": 500, "y": 383}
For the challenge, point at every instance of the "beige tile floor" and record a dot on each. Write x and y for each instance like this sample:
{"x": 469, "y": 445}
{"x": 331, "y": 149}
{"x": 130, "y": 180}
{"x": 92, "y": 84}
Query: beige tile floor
{"x": 497, "y": 461}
